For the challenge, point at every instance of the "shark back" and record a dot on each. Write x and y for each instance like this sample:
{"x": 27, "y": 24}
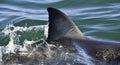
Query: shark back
{"x": 63, "y": 31}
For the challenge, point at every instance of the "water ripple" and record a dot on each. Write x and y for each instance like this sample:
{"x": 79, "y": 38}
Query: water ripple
{"x": 10, "y": 10}
{"x": 39, "y": 1}
{"x": 109, "y": 12}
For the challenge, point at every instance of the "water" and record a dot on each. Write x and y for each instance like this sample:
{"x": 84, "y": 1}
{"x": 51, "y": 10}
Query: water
{"x": 24, "y": 22}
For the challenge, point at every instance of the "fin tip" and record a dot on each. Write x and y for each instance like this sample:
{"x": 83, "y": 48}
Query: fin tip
{"x": 50, "y": 8}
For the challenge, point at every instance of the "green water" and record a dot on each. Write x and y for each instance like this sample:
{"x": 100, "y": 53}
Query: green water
{"x": 22, "y": 20}
{"x": 97, "y": 19}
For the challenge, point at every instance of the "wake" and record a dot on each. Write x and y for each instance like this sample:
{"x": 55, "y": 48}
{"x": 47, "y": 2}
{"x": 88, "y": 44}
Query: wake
{"x": 38, "y": 52}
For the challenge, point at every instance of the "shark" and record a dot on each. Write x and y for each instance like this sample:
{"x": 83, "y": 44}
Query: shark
{"x": 63, "y": 31}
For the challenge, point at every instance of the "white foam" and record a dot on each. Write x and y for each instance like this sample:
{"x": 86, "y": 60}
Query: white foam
{"x": 11, "y": 30}
{"x": 29, "y": 52}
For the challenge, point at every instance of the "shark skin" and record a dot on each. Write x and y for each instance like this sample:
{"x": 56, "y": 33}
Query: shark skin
{"x": 63, "y": 31}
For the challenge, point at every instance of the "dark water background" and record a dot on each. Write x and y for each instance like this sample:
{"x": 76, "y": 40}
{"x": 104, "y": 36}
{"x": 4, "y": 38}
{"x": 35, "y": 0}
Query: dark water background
{"x": 97, "y": 19}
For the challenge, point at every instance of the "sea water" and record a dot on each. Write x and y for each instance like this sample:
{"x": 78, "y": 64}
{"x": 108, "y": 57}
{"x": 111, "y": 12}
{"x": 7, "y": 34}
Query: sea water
{"x": 24, "y": 22}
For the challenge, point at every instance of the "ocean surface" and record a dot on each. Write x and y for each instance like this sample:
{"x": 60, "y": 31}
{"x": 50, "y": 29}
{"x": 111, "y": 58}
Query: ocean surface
{"x": 23, "y": 22}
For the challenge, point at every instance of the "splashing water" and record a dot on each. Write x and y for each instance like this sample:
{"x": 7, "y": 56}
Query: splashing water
{"x": 83, "y": 58}
{"x": 38, "y": 52}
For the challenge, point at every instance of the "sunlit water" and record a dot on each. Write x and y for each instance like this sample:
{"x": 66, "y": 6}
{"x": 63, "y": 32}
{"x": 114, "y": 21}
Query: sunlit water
{"x": 24, "y": 22}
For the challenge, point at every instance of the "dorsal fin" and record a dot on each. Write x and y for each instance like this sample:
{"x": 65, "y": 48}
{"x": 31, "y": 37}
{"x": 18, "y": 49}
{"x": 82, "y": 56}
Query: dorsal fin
{"x": 60, "y": 26}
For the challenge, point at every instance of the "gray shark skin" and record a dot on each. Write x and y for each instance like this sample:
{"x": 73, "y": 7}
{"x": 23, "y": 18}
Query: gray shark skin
{"x": 64, "y": 32}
